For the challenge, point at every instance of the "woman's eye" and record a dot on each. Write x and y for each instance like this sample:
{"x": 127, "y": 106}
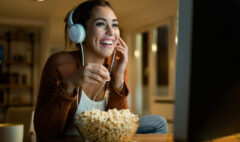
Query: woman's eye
{"x": 100, "y": 24}
{"x": 115, "y": 25}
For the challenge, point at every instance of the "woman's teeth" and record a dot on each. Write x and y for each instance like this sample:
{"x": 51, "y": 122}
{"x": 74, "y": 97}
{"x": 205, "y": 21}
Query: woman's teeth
{"x": 108, "y": 42}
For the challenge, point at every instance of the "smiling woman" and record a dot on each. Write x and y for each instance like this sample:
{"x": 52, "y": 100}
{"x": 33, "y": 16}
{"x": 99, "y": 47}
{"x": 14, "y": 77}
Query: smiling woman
{"x": 92, "y": 77}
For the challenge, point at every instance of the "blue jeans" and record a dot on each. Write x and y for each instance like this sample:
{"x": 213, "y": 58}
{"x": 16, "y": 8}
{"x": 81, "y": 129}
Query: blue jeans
{"x": 152, "y": 124}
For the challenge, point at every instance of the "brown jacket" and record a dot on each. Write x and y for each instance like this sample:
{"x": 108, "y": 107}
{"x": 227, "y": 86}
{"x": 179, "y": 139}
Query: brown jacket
{"x": 55, "y": 107}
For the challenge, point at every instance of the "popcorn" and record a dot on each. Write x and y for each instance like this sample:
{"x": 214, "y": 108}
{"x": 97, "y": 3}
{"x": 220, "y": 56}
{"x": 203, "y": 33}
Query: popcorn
{"x": 107, "y": 126}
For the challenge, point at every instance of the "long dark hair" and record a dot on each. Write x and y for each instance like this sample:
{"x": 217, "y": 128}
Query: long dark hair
{"x": 82, "y": 14}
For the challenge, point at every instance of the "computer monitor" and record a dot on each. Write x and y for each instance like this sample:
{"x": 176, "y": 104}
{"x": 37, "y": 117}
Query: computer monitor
{"x": 207, "y": 70}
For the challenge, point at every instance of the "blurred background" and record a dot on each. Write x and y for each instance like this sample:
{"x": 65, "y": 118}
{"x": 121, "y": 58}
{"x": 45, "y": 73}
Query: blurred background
{"x": 32, "y": 30}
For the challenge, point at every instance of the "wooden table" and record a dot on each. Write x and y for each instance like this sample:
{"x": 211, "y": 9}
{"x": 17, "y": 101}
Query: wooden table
{"x": 155, "y": 138}
{"x": 135, "y": 138}
{"x": 169, "y": 138}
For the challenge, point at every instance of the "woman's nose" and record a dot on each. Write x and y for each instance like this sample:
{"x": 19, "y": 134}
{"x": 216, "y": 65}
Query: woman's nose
{"x": 109, "y": 30}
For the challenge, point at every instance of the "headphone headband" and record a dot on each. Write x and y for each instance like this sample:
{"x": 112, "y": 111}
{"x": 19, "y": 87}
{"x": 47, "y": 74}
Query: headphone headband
{"x": 70, "y": 21}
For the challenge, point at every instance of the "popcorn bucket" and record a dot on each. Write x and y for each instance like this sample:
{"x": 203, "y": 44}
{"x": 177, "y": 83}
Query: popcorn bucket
{"x": 111, "y": 126}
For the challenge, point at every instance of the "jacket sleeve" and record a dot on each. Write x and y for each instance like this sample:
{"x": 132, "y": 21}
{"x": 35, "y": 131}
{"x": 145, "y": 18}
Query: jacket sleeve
{"x": 53, "y": 103}
{"x": 118, "y": 98}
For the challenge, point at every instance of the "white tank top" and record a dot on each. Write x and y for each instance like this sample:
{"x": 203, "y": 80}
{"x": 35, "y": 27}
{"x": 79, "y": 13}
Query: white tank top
{"x": 86, "y": 104}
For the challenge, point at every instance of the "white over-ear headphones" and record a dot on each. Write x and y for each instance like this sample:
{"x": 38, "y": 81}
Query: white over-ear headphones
{"x": 77, "y": 32}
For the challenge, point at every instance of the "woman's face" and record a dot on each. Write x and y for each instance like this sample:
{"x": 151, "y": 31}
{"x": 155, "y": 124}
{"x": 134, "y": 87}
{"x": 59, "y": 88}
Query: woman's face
{"x": 102, "y": 31}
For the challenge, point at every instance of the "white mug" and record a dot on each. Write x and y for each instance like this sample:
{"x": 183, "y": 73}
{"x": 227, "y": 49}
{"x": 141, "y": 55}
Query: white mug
{"x": 11, "y": 132}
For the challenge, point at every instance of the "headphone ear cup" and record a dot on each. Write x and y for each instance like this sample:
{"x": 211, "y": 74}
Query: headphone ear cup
{"x": 77, "y": 33}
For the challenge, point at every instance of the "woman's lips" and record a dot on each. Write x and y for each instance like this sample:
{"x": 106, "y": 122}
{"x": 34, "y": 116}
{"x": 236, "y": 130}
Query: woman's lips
{"x": 107, "y": 43}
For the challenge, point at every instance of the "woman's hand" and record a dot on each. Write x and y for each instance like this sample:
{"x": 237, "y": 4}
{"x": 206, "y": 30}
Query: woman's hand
{"x": 120, "y": 63}
{"x": 90, "y": 73}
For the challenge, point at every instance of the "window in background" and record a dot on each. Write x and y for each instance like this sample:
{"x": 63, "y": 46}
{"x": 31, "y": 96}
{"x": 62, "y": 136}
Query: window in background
{"x": 162, "y": 60}
{"x": 145, "y": 70}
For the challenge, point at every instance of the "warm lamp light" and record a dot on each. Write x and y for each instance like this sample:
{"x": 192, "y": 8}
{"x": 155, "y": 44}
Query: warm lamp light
{"x": 154, "y": 48}
{"x": 136, "y": 53}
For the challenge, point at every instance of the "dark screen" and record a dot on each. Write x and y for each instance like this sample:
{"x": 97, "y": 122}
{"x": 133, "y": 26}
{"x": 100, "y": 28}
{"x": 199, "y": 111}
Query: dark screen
{"x": 208, "y": 70}
{"x": 215, "y": 70}
{"x": 1, "y": 57}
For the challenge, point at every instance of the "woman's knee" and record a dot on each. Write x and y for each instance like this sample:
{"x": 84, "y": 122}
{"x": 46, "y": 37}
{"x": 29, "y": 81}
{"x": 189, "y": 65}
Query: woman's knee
{"x": 153, "y": 124}
{"x": 162, "y": 126}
